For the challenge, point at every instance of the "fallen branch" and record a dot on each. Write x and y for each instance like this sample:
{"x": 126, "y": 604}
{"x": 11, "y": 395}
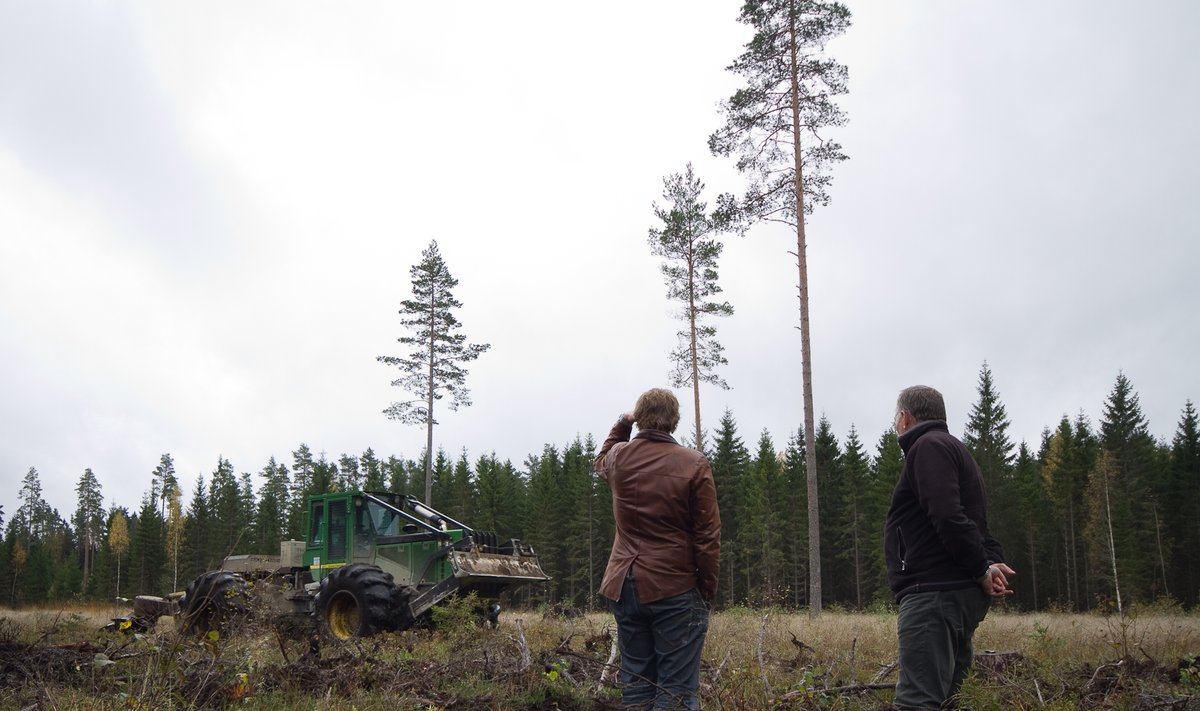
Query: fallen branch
{"x": 716, "y": 676}
{"x": 884, "y": 671}
{"x": 848, "y": 689}
{"x": 1102, "y": 667}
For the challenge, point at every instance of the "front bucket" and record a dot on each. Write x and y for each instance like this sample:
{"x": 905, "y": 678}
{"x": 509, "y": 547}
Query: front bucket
{"x": 472, "y": 567}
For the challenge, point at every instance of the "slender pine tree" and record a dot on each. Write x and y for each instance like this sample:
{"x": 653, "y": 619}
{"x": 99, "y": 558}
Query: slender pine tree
{"x": 775, "y": 125}
{"x": 687, "y": 240}
{"x": 434, "y": 368}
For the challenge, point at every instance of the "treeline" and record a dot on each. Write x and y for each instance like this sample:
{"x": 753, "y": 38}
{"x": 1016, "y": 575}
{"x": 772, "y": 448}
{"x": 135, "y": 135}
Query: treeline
{"x": 1091, "y": 515}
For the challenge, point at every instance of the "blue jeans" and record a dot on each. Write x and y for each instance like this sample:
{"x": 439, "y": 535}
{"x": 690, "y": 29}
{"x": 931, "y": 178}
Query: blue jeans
{"x": 660, "y": 645}
{"x": 935, "y": 630}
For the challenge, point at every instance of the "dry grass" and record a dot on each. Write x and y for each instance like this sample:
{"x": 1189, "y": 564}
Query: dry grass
{"x": 753, "y": 659}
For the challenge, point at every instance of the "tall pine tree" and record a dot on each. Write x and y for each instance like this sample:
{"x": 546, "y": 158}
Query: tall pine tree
{"x": 434, "y": 368}
{"x": 775, "y": 125}
{"x": 88, "y": 520}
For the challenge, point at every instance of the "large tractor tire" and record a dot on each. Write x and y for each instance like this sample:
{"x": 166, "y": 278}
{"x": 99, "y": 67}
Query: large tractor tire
{"x": 360, "y": 600}
{"x": 214, "y": 601}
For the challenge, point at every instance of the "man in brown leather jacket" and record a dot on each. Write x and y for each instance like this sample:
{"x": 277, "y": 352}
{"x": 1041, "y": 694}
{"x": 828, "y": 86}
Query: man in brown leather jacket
{"x": 663, "y": 570}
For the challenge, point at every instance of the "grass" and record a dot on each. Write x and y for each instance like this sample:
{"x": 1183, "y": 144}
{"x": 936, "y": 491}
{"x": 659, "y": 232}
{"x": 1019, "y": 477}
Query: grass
{"x": 753, "y": 659}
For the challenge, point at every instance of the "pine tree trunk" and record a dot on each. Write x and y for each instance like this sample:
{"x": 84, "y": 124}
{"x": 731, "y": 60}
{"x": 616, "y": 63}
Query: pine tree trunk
{"x": 87, "y": 561}
{"x": 810, "y": 454}
{"x": 696, "y": 384}
{"x": 429, "y": 406}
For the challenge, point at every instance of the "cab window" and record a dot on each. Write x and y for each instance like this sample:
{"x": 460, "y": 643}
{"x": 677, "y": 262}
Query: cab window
{"x": 337, "y": 530}
{"x": 315, "y": 537}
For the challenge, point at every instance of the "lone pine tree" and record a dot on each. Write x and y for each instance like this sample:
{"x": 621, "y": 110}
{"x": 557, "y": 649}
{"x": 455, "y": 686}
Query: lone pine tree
{"x": 774, "y": 124}
{"x": 434, "y": 368}
{"x": 687, "y": 242}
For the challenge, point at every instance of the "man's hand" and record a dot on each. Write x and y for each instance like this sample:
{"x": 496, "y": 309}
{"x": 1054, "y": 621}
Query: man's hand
{"x": 995, "y": 581}
{"x": 628, "y": 417}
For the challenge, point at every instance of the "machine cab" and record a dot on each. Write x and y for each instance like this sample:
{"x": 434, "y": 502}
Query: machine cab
{"x": 390, "y": 530}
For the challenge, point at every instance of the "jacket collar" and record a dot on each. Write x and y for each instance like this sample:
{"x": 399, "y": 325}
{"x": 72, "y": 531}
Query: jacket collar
{"x": 655, "y": 436}
{"x": 914, "y": 433}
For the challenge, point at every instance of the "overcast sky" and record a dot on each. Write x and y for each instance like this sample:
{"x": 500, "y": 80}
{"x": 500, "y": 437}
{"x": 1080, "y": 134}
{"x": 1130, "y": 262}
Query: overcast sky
{"x": 208, "y": 212}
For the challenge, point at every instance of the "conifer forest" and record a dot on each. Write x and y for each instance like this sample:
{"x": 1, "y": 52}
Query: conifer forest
{"x": 1052, "y": 506}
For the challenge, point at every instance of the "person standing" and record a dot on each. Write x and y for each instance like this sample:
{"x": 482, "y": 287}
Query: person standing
{"x": 663, "y": 569}
{"x": 943, "y": 566}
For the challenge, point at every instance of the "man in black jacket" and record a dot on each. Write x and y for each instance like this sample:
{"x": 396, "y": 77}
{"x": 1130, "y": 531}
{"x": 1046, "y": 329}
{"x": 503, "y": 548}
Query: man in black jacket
{"x": 943, "y": 565}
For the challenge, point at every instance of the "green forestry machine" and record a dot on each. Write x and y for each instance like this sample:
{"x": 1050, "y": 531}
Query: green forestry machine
{"x": 372, "y": 562}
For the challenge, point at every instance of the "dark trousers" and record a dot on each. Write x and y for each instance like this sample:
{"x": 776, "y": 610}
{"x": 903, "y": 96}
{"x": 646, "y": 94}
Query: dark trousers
{"x": 660, "y": 645}
{"x": 935, "y": 631}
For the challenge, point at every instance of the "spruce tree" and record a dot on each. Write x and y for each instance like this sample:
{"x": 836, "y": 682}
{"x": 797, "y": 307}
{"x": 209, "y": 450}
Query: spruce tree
{"x": 324, "y": 476}
{"x": 730, "y": 461}
{"x": 397, "y": 470}
{"x": 1066, "y": 461}
{"x": 598, "y": 526}
{"x": 1031, "y": 546}
{"x": 443, "y": 481}
{"x": 986, "y": 438}
{"x": 580, "y": 580}
{"x": 853, "y": 541}
{"x": 795, "y": 523}
{"x": 546, "y": 517}
{"x": 270, "y": 524}
{"x": 246, "y": 514}
{"x": 1181, "y": 509}
{"x": 1125, "y": 438}
{"x": 349, "y": 478}
{"x": 197, "y": 534}
{"x": 373, "y": 475}
{"x": 832, "y": 490}
{"x": 461, "y": 503}
{"x": 886, "y": 467}
{"x": 687, "y": 242}
{"x": 434, "y": 368}
{"x": 148, "y": 548}
{"x": 775, "y": 125}
{"x": 224, "y": 504}
{"x": 500, "y": 496}
{"x": 761, "y": 532}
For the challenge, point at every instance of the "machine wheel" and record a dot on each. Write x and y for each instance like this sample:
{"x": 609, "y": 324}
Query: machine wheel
{"x": 212, "y": 601}
{"x": 359, "y": 600}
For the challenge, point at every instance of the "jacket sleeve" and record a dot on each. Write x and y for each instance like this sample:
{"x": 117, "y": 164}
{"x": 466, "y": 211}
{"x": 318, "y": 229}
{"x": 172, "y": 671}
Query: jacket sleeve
{"x": 620, "y": 432}
{"x": 706, "y": 531}
{"x": 935, "y": 475}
